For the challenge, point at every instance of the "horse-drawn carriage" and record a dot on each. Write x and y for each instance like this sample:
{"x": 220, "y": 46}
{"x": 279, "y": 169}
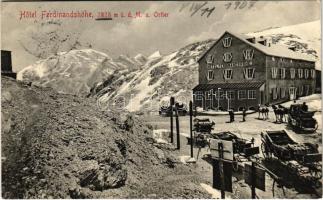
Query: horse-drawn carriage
{"x": 202, "y": 131}
{"x": 166, "y": 110}
{"x": 301, "y": 158}
{"x": 300, "y": 119}
{"x": 239, "y": 144}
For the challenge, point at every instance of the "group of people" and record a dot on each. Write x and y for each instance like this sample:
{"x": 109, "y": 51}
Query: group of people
{"x": 231, "y": 114}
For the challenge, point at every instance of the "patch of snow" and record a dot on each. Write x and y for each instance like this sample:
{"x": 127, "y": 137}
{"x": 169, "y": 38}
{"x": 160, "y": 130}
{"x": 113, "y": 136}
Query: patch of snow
{"x": 155, "y": 55}
{"x": 216, "y": 194}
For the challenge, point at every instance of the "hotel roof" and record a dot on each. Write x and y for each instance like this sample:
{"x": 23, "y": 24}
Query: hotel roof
{"x": 272, "y": 50}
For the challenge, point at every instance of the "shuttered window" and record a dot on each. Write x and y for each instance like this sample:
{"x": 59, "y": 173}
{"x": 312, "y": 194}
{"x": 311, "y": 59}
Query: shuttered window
{"x": 209, "y": 59}
{"x": 227, "y": 57}
{"x": 313, "y": 73}
{"x": 227, "y": 41}
{"x": 300, "y": 73}
{"x": 210, "y": 75}
{"x": 249, "y": 73}
{"x": 306, "y": 73}
{"x": 283, "y": 92}
{"x": 292, "y": 73}
{"x": 274, "y": 93}
{"x": 274, "y": 72}
{"x": 248, "y": 54}
{"x": 227, "y": 73}
{"x": 282, "y": 73}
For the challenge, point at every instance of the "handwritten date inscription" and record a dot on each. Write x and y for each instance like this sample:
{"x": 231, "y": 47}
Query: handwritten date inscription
{"x": 205, "y": 9}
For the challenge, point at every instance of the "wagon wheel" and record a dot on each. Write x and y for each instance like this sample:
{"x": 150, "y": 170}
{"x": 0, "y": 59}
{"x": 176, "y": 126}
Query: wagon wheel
{"x": 279, "y": 189}
{"x": 316, "y": 173}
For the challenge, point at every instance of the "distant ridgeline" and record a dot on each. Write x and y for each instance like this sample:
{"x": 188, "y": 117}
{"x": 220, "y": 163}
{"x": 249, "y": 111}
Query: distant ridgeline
{"x": 6, "y": 64}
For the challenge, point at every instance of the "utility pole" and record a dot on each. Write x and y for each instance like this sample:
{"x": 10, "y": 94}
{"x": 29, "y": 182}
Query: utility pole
{"x": 177, "y": 127}
{"x": 220, "y": 148}
{"x": 172, "y": 101}
{"x": 191, "y": 127}
{"x": 253, "y": 180}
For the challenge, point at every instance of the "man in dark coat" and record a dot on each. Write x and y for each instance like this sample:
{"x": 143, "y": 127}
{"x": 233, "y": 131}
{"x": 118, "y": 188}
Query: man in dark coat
{"x": 304, "y": 107}
{"x": 244, "y": 114}
{"x": 231, "y": 116}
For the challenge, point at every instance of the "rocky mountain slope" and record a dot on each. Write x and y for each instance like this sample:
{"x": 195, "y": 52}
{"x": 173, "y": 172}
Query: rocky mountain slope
{"x": 62, "y": 146}
{"x": 141, "y": 83}
{"x": 77, "y": 71}
{"x": 162, "y": 76}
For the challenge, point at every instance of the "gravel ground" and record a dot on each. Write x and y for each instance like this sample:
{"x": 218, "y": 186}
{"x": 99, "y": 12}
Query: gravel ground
{"x": 249, "y": 129}
{"x": 62, "y": 146}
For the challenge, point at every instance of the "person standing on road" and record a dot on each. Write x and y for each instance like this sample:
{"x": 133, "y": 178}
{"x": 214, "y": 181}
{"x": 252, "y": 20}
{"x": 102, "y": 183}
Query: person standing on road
{"x": 231, "y": 115}
{"x": 244, "y": 114}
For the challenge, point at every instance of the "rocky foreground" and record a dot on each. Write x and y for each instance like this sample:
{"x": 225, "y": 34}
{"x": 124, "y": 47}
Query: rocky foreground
{"x": 62, "y": 146}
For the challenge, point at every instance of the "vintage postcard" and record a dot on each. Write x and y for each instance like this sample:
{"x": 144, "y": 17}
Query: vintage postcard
{"x": 161, "y": 99}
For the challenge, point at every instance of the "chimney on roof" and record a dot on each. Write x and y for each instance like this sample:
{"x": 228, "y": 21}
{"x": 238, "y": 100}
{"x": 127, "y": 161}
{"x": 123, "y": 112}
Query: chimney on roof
{"x": 293, "y": 48}
{"x": 252, "y": 40}
{"x": 263, "y": 42}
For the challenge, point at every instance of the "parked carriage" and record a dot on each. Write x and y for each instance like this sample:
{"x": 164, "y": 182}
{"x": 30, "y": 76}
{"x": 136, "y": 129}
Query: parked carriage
{"x": 301, "y": 158}
{"x": 302, "y": 120}
{"x": 202, "y": 131}
{"x": 239, "y": 144}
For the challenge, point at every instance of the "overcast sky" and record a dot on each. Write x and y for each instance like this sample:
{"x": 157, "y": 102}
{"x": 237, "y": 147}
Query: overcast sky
{"x": 146, "y": 35}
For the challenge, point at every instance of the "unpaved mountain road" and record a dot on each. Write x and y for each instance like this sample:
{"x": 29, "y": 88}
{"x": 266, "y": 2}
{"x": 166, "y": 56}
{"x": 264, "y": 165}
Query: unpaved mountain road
{"x": 249, "y": 129}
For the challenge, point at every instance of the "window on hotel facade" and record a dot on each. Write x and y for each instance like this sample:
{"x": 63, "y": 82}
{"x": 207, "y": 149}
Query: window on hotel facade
{"x": 275, "y": 93}
{"x": 248, "y": 54}
{"x": 227, "y": 57}
{"x": 242, "y": 94}
{"x": 221, "y": 95}
{"x": 292, "y": 73}
{"x": 313, "y": 73}
{"x": 307, "y": 89}
{"x": 199, "y": 95}
{"x": 227, "y": 41}
{"x": 210, "y": 75}
{"x": 208, "y": 95}
{"x": 249, "y": 73}
{"x": 227, "y": 73}
{"x": 209, "y": 59}
{"x": 274, "y": 72}
{"x": 230, "y": 94}
{"x": 300, "y": 73}
{"x": 300, "y": 90}
{"x": 306, "y": 73}
{"x": 251, "y": 94}
{"x": 283, "y": 92}
{"x": 282, "y": 73}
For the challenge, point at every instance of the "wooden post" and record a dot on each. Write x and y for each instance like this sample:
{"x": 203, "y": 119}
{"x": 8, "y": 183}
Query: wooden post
{"x": 172, "y": 100}
{"x": 191, "y": 127}
{"x": 220, "y": 149}
{"x": 177, "y": 128}
{"x": 253, "y": 180}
